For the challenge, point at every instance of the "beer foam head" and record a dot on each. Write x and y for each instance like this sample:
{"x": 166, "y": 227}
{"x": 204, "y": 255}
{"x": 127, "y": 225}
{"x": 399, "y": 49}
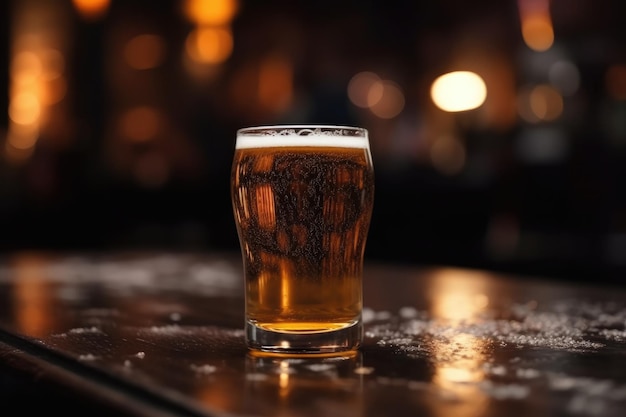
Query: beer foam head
{"x": 279, "y": 136}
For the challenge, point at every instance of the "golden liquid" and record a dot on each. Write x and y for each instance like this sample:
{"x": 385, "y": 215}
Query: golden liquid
{"x": 302, "y": 215}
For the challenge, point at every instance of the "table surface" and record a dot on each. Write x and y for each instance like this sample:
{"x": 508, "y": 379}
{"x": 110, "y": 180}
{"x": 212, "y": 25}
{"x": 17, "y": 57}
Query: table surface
{"x": 152, "y": 334}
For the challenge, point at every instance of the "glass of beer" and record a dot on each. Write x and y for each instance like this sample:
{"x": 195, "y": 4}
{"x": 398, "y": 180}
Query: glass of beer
{"x": 302, "y": 199}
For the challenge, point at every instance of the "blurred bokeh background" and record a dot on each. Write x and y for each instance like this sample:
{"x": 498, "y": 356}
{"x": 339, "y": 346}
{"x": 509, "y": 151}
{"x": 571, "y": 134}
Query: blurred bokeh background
{"x": 497, "y": 127}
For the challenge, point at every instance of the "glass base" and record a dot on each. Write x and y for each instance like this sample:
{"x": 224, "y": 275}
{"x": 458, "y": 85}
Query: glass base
{"x": 334, "y": 341}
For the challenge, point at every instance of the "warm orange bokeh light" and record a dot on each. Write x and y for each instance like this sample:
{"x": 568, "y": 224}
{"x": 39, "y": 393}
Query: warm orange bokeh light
{"x": 537, "y": 32}
{"x": 209, "y": 45}
{"x": 26, "y": 68}
{"x": 386, "y": 99}
{"x": 536, "y": 23}
{"x": 359, "y": 88}
{"x": 91, "y": 9}
{"x": 210, "y": 12}
{"x": 540, "y": 103}
{"x": 546, "y": 102}
{"x": 24, "y": 108}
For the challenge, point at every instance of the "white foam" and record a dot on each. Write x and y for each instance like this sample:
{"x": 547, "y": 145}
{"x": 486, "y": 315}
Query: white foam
{"x": 253, "y": 139}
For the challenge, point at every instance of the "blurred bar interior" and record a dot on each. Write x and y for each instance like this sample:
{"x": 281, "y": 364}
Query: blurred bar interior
{"x": 498, "y": 127}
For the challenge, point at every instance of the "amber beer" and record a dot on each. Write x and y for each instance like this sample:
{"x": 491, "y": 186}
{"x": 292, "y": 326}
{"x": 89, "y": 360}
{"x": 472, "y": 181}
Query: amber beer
{"x": 302, "y": 200}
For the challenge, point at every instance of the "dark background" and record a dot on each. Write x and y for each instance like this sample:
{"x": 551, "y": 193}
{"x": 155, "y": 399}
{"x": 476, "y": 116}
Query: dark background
{"x": 519, "y": 193}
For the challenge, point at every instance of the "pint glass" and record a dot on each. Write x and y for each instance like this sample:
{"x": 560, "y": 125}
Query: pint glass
{"x": 302, "y": 199}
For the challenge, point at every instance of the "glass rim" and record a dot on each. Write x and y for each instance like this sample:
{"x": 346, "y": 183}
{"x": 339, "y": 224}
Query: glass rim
{"x": 308, "y": 135}
{"x": 326, "y": 128}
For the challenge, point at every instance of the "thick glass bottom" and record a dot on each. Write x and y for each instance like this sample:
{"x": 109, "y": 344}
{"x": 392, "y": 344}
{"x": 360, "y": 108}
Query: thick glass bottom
{"x": 344, "y": 339}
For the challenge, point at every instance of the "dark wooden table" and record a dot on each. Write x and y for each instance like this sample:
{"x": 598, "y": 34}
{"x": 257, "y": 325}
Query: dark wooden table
{"x": 160, "y": 334}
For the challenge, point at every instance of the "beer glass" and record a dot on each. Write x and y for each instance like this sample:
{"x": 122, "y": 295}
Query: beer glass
{"x": 302, "y": 200}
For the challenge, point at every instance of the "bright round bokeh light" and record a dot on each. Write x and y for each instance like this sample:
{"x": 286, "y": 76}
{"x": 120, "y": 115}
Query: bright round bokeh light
{"x": 458, "y": 91}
